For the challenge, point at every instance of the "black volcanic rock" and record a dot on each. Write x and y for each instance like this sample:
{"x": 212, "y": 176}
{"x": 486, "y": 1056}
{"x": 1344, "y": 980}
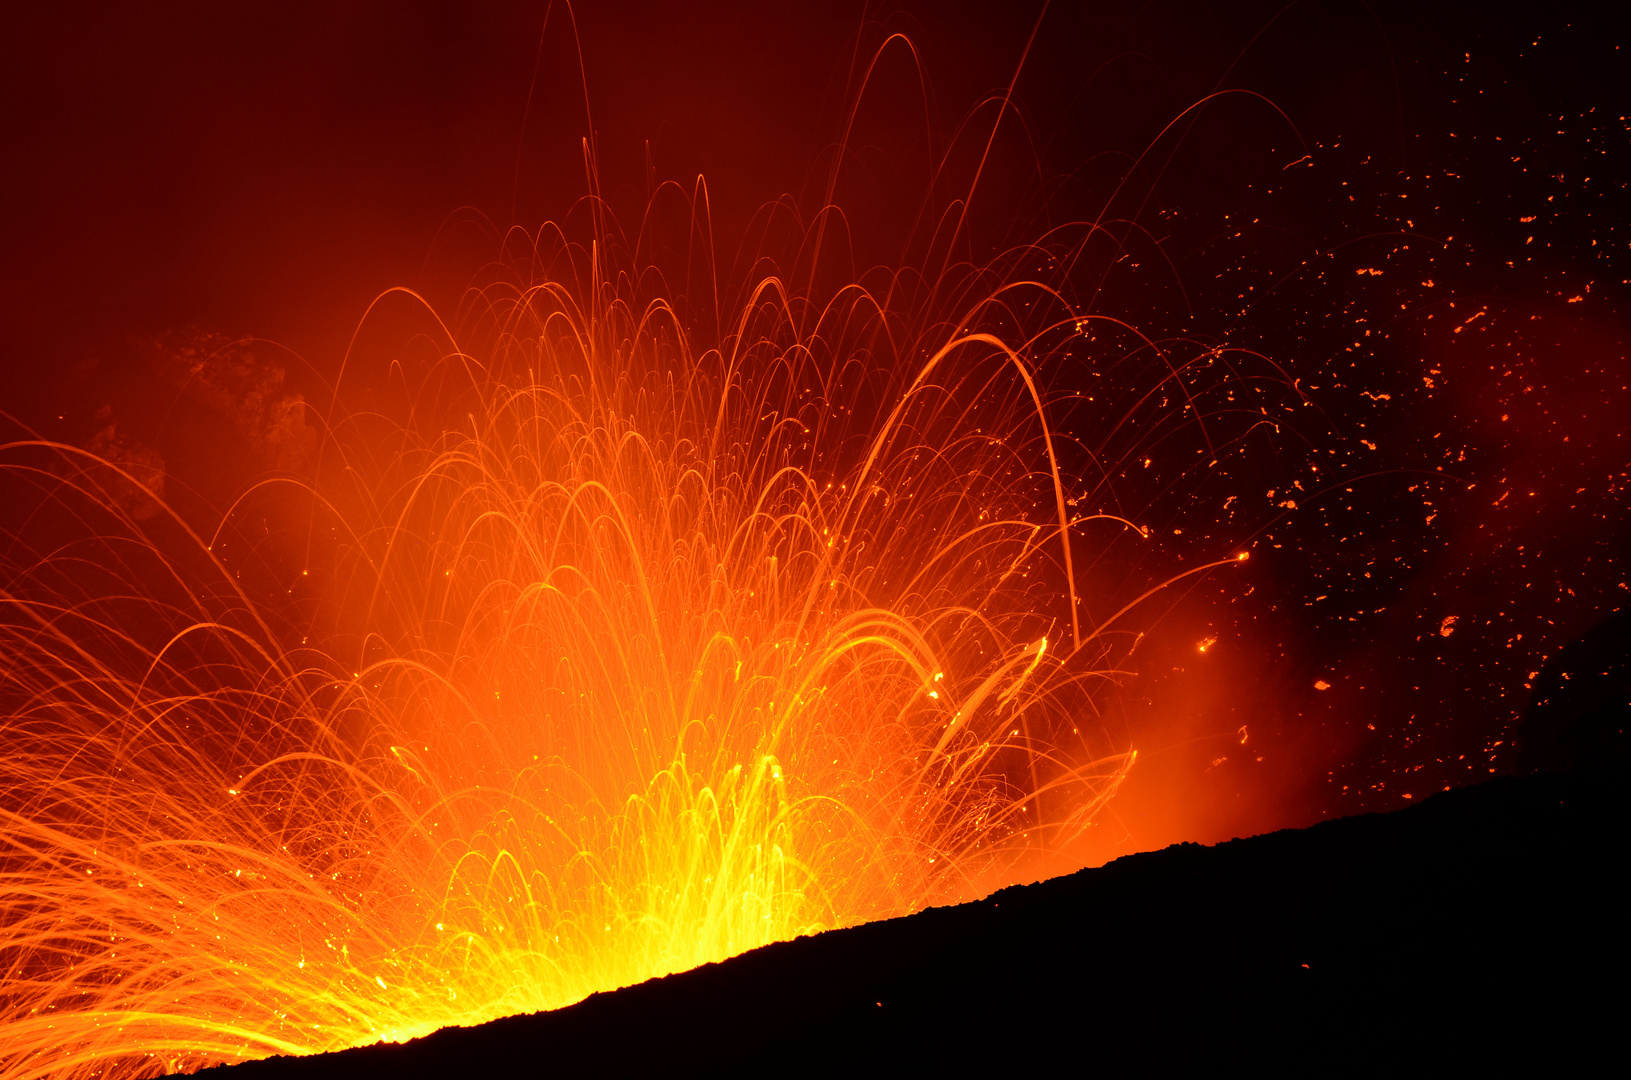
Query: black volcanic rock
{"x": 1483, "y": 928}
{"x": 1579, "y": 713}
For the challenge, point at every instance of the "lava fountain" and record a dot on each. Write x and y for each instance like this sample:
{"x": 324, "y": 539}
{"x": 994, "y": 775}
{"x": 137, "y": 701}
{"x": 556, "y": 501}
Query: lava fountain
{"x": 633, "y": 654}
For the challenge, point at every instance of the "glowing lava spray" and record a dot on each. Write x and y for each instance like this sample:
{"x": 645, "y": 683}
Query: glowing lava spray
{"x": 631, "y": 655}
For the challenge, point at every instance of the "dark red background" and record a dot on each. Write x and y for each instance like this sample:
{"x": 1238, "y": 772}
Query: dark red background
{"x": 267, "y": 172}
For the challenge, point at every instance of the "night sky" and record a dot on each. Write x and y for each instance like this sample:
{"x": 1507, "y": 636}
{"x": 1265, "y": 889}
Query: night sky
{"x": 1412, "y": 229}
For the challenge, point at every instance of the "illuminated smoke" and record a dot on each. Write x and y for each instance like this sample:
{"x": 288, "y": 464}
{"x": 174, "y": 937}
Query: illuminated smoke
{"x": 609, "y": 656}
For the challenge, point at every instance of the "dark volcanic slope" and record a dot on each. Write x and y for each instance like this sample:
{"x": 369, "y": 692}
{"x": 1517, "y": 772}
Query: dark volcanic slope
{"x": 1483, "y": 927}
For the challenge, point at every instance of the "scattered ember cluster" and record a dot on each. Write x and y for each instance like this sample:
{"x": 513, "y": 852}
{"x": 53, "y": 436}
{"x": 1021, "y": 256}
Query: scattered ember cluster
{"x": 1475, "y": 520}
{"x": 1430, "y": 244}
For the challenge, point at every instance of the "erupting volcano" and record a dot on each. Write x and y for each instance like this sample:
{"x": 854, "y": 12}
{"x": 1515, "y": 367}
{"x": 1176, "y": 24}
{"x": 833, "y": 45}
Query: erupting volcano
{"x": 693, "y": 577}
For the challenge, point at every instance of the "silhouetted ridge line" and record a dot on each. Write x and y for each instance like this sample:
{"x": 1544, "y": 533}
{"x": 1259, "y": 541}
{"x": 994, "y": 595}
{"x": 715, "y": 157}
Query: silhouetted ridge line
{"x": 1472, "y": 929}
